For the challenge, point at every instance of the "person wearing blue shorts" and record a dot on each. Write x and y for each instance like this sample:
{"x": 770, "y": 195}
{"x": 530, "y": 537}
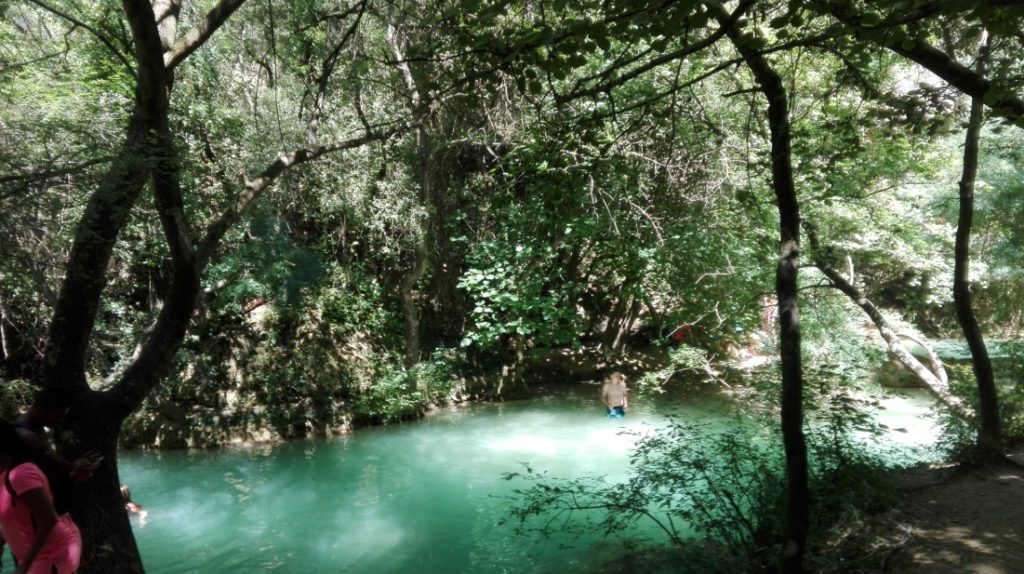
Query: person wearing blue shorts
{"x": 614, "y": 395}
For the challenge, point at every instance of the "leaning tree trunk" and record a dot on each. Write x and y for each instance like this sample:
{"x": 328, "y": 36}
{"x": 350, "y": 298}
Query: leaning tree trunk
{"x": 786, "y": 275}
{"x": 937, "y": 368}
{"x": 934, "y": 380}
{"x": 990, "y": 434}
{"x": 148, "y": 154}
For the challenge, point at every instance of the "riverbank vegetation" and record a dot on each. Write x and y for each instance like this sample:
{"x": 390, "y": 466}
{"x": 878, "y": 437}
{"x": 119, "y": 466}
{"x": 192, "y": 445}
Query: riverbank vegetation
{"x": 233, "y": 222}
{"x": 716, "y": 493}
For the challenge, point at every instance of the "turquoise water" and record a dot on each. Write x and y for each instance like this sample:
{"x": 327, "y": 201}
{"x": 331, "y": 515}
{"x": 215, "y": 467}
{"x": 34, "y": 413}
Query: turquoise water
{"x": 424, "y": 497}
{"x": 957, "y": 349}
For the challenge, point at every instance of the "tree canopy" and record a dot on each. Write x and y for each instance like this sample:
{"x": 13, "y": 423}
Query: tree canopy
{"x": 289, "y": 215}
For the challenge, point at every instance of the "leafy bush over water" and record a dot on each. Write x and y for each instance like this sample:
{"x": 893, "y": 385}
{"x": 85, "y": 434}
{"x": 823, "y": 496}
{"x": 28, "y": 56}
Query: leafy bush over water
{"x": 960, "y": 436}
{"x": 400, "y": 394}
{"x": 713, "y": 492}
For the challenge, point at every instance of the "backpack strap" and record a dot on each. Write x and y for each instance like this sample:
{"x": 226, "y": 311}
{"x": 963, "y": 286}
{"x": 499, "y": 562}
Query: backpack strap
{"x": 10, "y": 487}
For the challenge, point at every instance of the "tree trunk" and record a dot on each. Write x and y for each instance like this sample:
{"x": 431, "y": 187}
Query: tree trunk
{"x": 410, "y": 309}
{"x": 421, "y": 251}
{"x": 94, "y": 420}
{"x": 990, "y": 433}
{"x": 620, "y": 321}
{"x": 512, "y": 383}
{"x": 937, "y": 368}
{"x": 6, "y": 349}
{"x": 108, "y": 544}
{"x": 936, "y": 382}
{"x": 786, "y": 275}
{"x": 148, "y": 154}
{"x": 94, "y": 423}
{"x": 425, "y": 172}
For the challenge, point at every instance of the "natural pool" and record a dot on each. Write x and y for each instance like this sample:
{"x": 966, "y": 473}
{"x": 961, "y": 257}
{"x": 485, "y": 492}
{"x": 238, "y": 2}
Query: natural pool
{"x": 423, "y": 497}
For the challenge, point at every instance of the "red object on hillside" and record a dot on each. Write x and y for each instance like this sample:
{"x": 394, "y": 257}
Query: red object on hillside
{"x": 681, "y": 333}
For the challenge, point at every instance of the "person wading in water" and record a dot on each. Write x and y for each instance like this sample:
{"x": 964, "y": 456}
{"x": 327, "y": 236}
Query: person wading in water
{"x": 614, "y": 395}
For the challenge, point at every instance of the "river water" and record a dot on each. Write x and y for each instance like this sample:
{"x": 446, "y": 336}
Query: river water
{"x": 423, "y": 497}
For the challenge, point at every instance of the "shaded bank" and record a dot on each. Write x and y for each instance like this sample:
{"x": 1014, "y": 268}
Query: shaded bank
{"x": 945, "y": 522}
{"x": 334, "y": 399}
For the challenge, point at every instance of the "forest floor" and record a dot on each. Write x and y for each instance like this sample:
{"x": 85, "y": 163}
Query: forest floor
{"x": 945, "y": 521}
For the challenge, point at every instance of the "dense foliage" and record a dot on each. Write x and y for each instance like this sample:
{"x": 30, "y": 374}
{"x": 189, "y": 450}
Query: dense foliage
{"x": 280, "y": 219}
{"x": 714, "y": 492}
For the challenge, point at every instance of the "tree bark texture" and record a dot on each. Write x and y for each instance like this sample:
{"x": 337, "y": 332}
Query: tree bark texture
{"x": 6, "y": 349}
{"x": 108, "y": 544}
{"x": 990, "y": 433}
{"x": 937, "y": 368}
{"x": 787, "y": 270}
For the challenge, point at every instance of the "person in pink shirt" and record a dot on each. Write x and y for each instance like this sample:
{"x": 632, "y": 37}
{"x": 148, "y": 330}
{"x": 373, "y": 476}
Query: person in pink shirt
{"x": 33, "y": 521}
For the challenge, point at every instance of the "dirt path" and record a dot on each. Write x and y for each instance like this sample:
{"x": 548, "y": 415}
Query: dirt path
{"x": 944, "y": 522}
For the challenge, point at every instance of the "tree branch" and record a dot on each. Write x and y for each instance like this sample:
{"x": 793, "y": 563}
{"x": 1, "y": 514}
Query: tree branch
{"x": 662, "y": 59}
{"x": 44, "y": 175}
{"x": 202, "y": 31}
{"x": 254, "y": 188}
{"x": 103, "y": 39}
{"x": 1001, "y": 100}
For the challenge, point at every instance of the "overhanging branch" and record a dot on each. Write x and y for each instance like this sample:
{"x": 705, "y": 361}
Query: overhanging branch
{"x": 96, "y": 33}
{"x": 998, "y": 97}
{"x": 663, "y": 59}
{"x": 202, "y": 31}
{"x": 254, "y": 188}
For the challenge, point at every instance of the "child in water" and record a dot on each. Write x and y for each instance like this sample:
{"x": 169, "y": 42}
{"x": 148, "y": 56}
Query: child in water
{"x": 132, "y": 508}
{"x": 614, "y": 395}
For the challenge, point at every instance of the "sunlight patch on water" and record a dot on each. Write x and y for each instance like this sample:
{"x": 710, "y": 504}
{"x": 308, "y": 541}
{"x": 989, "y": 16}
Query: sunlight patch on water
{"x": 910, "y": 422}
{"x": 910, "y": 429}
{"x": 619, "y": 441}
{"x": 365, "y": 538}
{"x": 531, "y": 444}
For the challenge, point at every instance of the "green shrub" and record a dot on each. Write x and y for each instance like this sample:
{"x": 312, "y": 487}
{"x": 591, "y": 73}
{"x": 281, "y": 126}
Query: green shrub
{"x": 398, "y": 394}
{"x": 686, "y": 362}
{"x": 716, "y": 492}
{"x": 15, "y": 395}
{"x": 959, "y": 437}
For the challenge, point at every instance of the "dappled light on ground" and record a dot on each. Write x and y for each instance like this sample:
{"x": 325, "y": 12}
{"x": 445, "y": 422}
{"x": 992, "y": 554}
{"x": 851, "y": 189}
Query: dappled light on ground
{"x": 971, "y": 524}
{"x": 945, "y": 522}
